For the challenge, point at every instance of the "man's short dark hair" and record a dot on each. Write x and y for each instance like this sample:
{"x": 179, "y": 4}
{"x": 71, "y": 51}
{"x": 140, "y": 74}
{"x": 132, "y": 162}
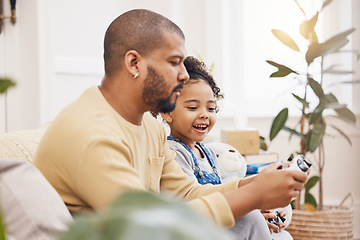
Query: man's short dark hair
{"x": 140, "y": 30}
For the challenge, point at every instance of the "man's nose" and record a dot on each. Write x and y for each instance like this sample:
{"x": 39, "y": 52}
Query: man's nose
{"x": 183, "y": 75}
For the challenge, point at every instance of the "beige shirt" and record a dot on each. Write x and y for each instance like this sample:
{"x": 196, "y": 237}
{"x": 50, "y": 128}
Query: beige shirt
{"x": 90, "y": 154}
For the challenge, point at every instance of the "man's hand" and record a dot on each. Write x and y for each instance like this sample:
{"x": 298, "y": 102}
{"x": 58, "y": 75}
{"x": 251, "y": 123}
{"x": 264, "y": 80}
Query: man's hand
{"x": 272, "y": 167}
{"x": 268, "y": 190}
{"x": 277, "y": 188}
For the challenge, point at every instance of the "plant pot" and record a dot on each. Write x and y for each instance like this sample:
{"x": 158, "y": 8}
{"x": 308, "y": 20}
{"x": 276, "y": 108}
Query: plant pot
{"x": 333, "y": 222}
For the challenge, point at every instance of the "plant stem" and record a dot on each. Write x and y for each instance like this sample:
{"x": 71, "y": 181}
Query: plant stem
{"x": 322, "y": 72}
{"x": 301, "y": 8}
{"x": 321, "y": 167}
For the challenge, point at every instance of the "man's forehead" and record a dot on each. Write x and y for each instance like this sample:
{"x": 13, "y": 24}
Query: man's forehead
{"x": 175, "y": 42}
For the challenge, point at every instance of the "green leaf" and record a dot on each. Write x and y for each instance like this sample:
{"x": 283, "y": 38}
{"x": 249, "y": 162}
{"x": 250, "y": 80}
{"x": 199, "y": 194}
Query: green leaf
{"x": 316, "y": 136}
{"x": 316, "y": 115}
{"x": 141, "y": 215}
{"x": 317, "y": 49}
{"x": 346, "y": 115}
{"x": 309, "y": 207}
{"x": 336, "y": 42}
{"x": 337, "y": 72}
{"x": 285, "y": 39}
{"x": 263, "y": 144}
{"x": 6, "y": 83}
{"x": 293, "y": 131}
{"x": 307, "y": 27}
{"x": 330, "y": 98}
{"x": 326, "y": 3}
{"x": 338, "y": 38}
{"x": 328, "y": 48}
{"x": 314, "y": 51}
{"x": 341, "y": 110}
{"x": 316, "y": 87}
{"x": 311, "y": 182}
{"x": 335, "y": 105}
{"x": 278, "y": 123}
{"x": 2, "y": 227}
{"x": 345, "y": 82}
{"x": 282, "y": 70}
{"x": 309, "y": 198}
{"x": 301, "y": 100}
{"x": 313, "y": 38}
{"x": 342, "y": 134}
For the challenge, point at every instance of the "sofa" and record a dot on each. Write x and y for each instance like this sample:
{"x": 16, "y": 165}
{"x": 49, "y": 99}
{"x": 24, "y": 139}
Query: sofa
{"x": 31, "y": 208}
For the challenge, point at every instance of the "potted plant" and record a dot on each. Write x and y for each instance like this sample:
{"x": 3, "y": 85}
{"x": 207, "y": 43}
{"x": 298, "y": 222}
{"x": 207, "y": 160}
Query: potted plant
{"x": 5, "y": 83}
{"x": 312, "y": 125}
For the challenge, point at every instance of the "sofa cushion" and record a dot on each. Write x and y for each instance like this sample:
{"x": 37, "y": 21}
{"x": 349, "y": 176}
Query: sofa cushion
{"x": 21, "y": 144}
{"x": 31, "y": 207}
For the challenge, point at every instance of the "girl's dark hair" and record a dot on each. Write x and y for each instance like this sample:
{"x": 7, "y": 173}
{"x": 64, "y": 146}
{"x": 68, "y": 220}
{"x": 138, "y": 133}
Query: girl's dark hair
{"x": 198, "y": 70}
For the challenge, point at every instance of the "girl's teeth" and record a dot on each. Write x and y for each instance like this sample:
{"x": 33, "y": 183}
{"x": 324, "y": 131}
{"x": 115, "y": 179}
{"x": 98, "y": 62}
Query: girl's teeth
{"x": 200, "y": 126}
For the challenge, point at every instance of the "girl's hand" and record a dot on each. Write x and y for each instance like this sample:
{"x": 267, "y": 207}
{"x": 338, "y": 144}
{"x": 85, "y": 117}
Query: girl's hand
{"x": 268, "y": 215}
{"x": 282, "y": 214}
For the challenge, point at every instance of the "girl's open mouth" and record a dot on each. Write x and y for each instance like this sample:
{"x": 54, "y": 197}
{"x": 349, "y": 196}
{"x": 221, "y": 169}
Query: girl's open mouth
{"x": 201, "y": 127}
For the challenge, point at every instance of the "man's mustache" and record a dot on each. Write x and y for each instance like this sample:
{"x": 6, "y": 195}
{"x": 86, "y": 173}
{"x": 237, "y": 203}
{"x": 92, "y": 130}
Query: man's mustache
{"x": 180, "y": 86}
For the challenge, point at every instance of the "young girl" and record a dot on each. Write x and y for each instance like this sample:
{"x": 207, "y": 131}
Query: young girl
{"x": 192, "y": 119}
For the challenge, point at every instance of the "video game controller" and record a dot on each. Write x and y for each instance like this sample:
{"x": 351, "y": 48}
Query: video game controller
{"x": 278, "y": 220}
{"x": 299, "y": 163}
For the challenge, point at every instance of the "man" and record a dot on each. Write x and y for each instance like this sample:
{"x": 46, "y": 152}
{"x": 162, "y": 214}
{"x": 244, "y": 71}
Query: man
{"x": 105, "y": 142}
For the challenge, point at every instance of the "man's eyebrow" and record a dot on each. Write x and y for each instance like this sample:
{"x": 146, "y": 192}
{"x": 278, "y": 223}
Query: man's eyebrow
{"x": 177, "y": 56}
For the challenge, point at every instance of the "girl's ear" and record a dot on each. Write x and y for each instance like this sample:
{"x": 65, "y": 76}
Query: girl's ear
{"x": 167, "y": 117}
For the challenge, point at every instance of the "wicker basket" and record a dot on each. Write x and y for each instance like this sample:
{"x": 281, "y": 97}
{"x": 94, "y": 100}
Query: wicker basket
{"x": 334, "y": 222}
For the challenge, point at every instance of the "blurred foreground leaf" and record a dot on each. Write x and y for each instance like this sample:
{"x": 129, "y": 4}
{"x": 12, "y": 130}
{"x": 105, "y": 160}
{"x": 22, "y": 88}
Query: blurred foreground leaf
{"x": 142, "y": 215}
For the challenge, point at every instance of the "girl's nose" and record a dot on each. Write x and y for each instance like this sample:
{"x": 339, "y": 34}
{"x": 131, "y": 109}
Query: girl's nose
{"x": 204, "y": 115}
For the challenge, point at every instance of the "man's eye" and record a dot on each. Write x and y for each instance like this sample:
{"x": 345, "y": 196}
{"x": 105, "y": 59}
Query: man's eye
{"x": 174, "y": 63}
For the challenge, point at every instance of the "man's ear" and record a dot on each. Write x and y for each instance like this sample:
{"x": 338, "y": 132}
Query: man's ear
{"x": 167, "y": 117}
{"x": 131, "y": 61}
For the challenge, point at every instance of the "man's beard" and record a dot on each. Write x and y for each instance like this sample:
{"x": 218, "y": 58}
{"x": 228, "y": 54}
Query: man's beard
{"x": 155, "y": 88}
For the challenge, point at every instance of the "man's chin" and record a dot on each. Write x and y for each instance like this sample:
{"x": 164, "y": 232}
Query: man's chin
{"x": 167, "y": 109}
{"x": 167, "y": 105}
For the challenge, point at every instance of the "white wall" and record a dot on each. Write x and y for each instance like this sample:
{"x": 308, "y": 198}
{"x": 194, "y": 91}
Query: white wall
{"x": 54, "y": 52}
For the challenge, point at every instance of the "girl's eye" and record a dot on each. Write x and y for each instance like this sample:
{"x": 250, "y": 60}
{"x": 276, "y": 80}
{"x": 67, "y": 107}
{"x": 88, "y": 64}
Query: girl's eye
{"x": 213, "y": 109}
{"x": 192, "y": 108}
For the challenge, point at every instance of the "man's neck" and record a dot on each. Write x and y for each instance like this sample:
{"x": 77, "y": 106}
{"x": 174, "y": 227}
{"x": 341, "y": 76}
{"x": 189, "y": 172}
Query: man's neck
{"x": 123, "y": 104}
